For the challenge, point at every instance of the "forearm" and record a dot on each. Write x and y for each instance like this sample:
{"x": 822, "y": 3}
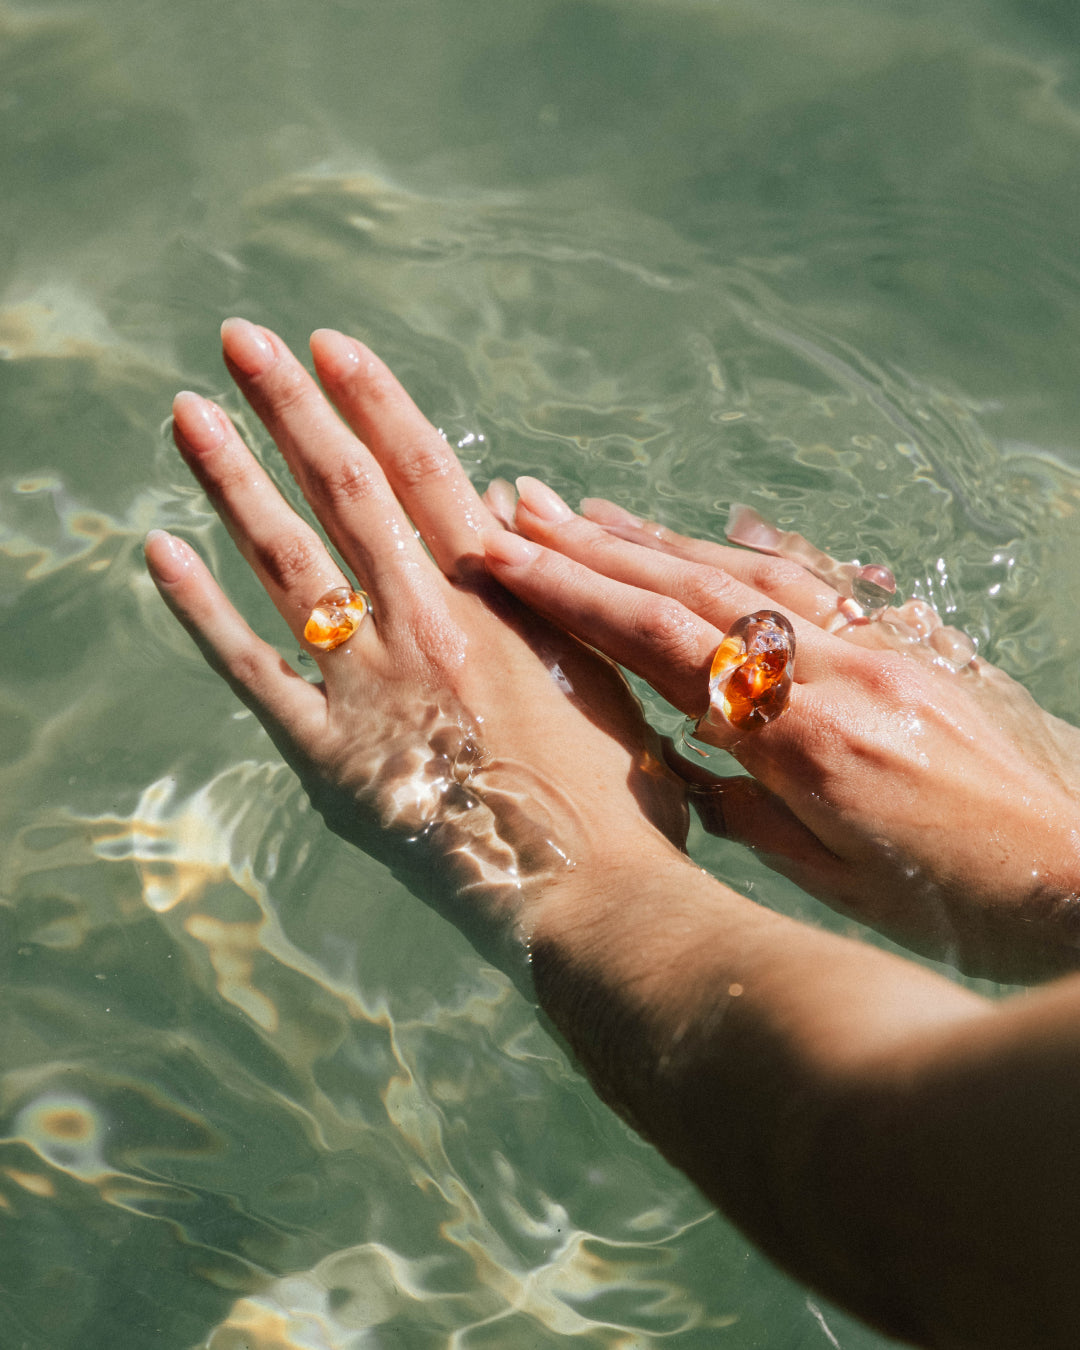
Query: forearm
{"x": 795, "y": 1076}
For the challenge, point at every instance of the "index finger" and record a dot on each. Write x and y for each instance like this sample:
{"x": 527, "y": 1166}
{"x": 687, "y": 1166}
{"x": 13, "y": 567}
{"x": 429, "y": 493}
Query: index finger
{"x": 652, "y": 634}
{"x": 420, "y": 466}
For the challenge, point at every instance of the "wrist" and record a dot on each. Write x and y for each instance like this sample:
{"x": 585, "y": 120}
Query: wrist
{"x": 613, "y": 938}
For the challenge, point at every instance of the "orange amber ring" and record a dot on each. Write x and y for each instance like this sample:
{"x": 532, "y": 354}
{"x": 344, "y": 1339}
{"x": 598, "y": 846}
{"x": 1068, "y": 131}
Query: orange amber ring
{"x": 750, "y": 678}
{"x": 336, "y": 617}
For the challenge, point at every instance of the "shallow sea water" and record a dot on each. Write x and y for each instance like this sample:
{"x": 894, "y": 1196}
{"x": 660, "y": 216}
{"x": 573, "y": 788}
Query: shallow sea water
{"x": 818, "y": 256}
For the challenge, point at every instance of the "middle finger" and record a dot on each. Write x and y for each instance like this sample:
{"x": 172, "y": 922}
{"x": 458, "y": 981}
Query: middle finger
{"x": 793, "y": 583}
{"x": 337, "y": 474}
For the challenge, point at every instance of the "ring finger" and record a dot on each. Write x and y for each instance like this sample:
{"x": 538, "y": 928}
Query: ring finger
{"x": 337, "y": 473}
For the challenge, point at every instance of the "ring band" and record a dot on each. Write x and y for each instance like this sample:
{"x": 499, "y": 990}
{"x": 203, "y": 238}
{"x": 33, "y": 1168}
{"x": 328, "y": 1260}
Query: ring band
{"x": 336, "y": 617}
{"x": 750, "y": 677}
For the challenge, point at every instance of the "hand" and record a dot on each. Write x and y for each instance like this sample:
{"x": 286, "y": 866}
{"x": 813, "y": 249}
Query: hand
{"x": 454, "y": 731}
{"x": 939, "y": 804}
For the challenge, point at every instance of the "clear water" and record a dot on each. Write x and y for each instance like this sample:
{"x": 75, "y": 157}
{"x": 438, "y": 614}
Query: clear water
{"x": 818, "y": 255}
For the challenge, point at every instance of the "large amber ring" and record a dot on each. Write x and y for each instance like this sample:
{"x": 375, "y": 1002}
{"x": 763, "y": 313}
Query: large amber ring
{"x": 336, "y": 617}
{"x": 750, "y": 678}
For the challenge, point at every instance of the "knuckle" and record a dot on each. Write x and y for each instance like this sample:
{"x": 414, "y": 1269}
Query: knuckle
{"x": 705, "y": 588}
{"x": 375, "y": 384}
{"x": 814, "y": 736}
{"x": 246, "y": 668}
{"x": 774, "y": 575}
{"x": 563, "y": 582}
{"x": 289, "y": 393}
{"x": 892, "y": 679}
{"x": 228, "y": 474}
{"x": 603, "y": 552}
{"x": 423, "y": 463}
{"x": 670, "y": 631}
{"x": 290, "y": 561}
{"x": 348, "y": 484}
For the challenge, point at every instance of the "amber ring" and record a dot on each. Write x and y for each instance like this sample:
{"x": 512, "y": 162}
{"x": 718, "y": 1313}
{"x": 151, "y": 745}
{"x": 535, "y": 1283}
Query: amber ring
{"x": 336, "y": 617}
{"x": 750, "y": 678}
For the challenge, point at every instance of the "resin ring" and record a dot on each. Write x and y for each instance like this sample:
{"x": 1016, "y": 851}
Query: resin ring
{"x": 336, "y": 617}
{"x": 750, "y": 678}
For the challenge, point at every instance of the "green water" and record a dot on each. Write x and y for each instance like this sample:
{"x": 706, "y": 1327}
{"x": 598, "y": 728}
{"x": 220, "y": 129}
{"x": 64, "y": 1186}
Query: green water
{"x": 817, "y": 256}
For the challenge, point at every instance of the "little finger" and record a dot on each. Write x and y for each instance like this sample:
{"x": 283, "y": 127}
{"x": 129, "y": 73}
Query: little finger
{"x": 292, "y": 710}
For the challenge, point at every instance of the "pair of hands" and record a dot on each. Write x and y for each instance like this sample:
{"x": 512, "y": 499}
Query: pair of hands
{"x": 465, "y": 731}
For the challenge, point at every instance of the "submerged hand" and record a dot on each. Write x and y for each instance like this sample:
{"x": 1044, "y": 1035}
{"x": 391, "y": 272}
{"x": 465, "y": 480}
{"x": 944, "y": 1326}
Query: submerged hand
{"x": 453, "y": 730}
{"x": 940, "y": 805}
{"x": 513, "y": 757}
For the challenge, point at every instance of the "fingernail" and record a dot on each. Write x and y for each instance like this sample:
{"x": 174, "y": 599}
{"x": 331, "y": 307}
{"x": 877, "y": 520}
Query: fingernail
{"x": 195, "y": 419}
{"x": 747, "y": 528}
{"x": 603, "y": 512}
{"x": 337, "y": 355}
{"x": 247, "y": 347}
{"x": 543, "y": 501}
{"x": 501, "y": 500}
{"x": 168, "y": 558}
{"x": 500, "y": 546}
